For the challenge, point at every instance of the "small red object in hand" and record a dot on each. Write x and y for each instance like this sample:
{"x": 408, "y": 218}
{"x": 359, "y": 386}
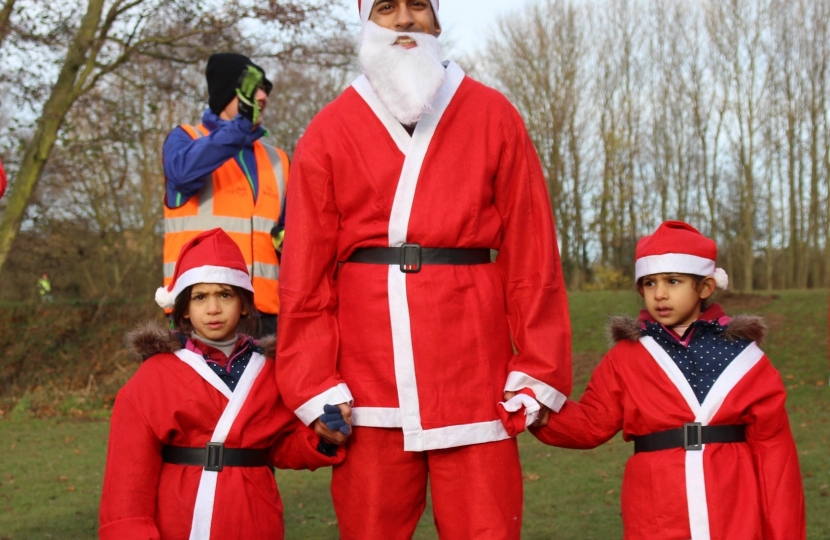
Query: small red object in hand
{"x": 515, "y": 421}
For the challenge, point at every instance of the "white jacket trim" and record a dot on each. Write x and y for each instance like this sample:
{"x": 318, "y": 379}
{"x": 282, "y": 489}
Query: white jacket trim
{"x": 203, "y": 509}
{"x": 704, "y": 413}
{"x": 200, "y": 366}
{"x": 380, "y": 417}
{"x": 406, "y": 381}
{"x": 396, "y": 131}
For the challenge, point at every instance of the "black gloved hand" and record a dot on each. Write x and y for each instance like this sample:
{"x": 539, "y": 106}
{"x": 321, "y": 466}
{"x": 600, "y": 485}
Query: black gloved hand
{"x": 250, "y": 81}
{"x": 333, "y": 419}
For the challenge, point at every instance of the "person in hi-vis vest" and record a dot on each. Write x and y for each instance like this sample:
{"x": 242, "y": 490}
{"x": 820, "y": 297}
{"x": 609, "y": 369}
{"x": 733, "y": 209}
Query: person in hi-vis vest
{"x": 219, "y": 174}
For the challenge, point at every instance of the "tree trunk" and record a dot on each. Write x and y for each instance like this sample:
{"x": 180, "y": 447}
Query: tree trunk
{"x": 54, "y": 111}
{"x": 5, "y": 16}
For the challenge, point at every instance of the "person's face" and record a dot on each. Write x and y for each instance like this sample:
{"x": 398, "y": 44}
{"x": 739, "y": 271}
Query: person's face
{"x": 405, "y": 16}
{"x": 214, "y": 310}
{"x": 232, "y": 109}
{"x": 675, "y": 299}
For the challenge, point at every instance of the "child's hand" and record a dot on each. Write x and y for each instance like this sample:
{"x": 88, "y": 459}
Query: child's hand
{"x": 542, "y": 419}
{"x": 333, "y": 419}
{"x": 334, "y": 425}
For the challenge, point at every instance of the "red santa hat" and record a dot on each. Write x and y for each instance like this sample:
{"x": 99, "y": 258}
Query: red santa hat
{"x": 211, "y": 257}
{"x": 365, "y": 8}
{"x": 677, "y": 247}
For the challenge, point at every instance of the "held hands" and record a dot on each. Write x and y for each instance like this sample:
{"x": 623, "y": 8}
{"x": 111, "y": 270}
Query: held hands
{"x": 335, "y": 424}
{"x": 249, "y": 82}
{"x": 542, "y": 417}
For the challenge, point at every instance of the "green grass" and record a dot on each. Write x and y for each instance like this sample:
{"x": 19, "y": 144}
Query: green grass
{"x": 50, "y": 471}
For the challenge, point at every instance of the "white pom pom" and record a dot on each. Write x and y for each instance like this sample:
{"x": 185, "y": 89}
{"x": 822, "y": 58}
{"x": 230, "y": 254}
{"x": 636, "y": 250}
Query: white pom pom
{"x": 721, "y": 278}
{"x": 165, "y": 298}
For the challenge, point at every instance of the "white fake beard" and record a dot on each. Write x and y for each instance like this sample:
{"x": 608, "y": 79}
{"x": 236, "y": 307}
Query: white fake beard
{"x": 406, "y": 80}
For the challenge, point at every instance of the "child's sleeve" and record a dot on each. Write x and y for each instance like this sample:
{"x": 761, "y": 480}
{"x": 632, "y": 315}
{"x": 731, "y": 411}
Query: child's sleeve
{"x": 591, "y": 421}
{"x": 128, "y": 499}
{"x": 297, "y": 446}
{"x": 776, "y": 462}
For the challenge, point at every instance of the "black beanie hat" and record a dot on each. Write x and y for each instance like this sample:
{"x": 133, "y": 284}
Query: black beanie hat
{"x": 222, "y": 72}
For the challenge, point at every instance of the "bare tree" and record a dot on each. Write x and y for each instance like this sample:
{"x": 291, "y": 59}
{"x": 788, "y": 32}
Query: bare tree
{"x": 93, "y": 46}
{"x": 737, "y": 29}
{"x": 538, "y": 61}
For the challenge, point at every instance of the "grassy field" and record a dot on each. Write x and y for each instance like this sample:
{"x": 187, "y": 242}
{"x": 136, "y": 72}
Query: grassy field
{"x": 51, "y": 469}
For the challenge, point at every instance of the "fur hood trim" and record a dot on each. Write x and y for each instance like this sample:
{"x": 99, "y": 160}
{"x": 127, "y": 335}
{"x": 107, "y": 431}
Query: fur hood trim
{"x": 149, "y": 338}
{"x": 750, "y": 327}
{"x": 268, "y": 344}
{"x": 623, "y": 328}
{"x": 152, "y": 337}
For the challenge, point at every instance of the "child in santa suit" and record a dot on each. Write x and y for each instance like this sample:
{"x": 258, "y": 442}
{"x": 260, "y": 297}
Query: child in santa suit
{"x": 714, "y": 457}
{"x": 196, "y": 431}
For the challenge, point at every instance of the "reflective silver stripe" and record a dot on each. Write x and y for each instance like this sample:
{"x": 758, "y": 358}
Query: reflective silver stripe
{"x": 267, "y": 271}
{"x": 206, "y": 199}
{"x": 206, "y": 222}
{"x": 169, "y": 269}
{"x": 206, "y": 193}
{"x": 262, "y": 224}
{"x": 276, "y": 164}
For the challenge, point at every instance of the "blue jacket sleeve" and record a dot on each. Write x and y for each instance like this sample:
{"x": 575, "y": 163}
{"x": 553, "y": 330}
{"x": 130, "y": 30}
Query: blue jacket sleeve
{"x": 189, "y": 162}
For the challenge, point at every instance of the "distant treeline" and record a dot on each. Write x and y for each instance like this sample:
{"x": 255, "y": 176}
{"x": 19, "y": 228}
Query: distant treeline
{"x": 709, "y": 111}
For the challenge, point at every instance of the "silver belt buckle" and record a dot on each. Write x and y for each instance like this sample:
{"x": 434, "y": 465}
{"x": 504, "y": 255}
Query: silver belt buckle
{"x": 693, "y": 436}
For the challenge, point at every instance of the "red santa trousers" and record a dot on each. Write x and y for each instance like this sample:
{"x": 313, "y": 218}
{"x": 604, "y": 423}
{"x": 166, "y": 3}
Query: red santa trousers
{"x": 380, "y": 490}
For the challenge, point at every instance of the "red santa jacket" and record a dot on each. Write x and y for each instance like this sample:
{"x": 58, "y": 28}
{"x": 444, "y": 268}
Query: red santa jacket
{"x": 429, "y": 352}
{"x": 168, "y": 403}
{"x": 735, "y": 491}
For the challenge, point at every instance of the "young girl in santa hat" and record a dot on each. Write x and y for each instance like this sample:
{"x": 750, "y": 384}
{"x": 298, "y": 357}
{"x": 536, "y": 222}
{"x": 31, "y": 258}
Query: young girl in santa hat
{"x": 714, "y": 457}
{"x": 196, "y": 431}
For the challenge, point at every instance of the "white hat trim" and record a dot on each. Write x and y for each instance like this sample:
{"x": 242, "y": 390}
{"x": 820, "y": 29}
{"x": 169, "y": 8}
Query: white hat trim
{"x": 365, "y": 10}
{"x": 204, "y": 274}
{"x": 681, "y": 263}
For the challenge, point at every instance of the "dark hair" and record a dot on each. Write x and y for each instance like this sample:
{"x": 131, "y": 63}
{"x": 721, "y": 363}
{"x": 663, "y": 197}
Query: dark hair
{"x": 248, "y": 324}
{"x": 704, "y": 304}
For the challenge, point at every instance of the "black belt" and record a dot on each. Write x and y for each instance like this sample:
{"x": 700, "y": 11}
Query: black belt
{"x": 410, "y": 257}
{"x": 214, "y": 456}
{"x": 691, "y": 436}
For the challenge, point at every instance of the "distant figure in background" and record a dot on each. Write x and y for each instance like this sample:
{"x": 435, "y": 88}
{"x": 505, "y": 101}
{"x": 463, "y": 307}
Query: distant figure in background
{"x": 44, "y": 288}
{"x": 3, "y": 182}
{"x": 218, "y": 174}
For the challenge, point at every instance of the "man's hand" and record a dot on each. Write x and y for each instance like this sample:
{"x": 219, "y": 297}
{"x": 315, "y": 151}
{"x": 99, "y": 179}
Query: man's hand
{"x": 249, "y": 82}
{"x": 335, "y": 424}
{"x": 544, "y": 412}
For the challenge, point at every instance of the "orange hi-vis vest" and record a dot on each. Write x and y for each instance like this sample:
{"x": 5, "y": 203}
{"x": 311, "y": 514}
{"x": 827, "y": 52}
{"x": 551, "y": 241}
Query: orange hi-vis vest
{"x": 227, "y": 201}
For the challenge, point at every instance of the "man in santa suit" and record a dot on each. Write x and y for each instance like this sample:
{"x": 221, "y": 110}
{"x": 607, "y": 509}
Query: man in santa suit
{"x": 391, "y": 306}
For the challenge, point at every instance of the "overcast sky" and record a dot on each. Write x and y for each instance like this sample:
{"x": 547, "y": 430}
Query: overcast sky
{"x": 467, "y": 23}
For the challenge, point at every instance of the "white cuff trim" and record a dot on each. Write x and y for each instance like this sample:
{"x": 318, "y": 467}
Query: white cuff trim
{"x": 313, "y": 408}
{"x": 549, "y": 396}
